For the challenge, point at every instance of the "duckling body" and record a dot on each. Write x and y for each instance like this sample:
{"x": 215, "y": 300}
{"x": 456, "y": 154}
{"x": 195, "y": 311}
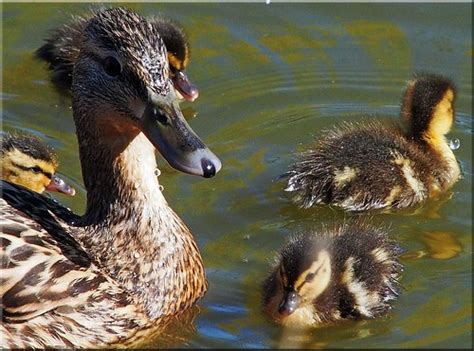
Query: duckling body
{"x": 129, "y": 262}
{"x": 349, "y": 272}
{"x": 62, "y": 49}
{"x": 26, "y": 161}
{"x": 375, "y": 164}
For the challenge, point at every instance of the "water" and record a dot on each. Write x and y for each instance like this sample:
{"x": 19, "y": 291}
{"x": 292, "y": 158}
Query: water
{"x": 271, "y": 78}
{"x": 454, "y": 144}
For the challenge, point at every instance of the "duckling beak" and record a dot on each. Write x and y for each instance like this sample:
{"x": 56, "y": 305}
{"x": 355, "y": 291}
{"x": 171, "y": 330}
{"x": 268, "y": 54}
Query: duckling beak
{"x": 184, "y": 87}
{"x": 164, "y": 125}
{"x": 289, "y": 304}
{"x": 59, "y": 185}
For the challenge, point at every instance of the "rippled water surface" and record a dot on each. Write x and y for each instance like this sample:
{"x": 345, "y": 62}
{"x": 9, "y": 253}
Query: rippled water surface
{"x": 271, "y": 78}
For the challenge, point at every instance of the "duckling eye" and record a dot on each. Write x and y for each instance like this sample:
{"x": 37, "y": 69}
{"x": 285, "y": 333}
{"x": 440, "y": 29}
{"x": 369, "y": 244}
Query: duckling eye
{"x": 310, "y": 277}
{"x": 111, "y": 66}
{"x": 35, "y": 169}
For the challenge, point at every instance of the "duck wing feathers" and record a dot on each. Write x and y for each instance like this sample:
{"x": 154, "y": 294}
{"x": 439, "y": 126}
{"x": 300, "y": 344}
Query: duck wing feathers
{"x": 51, "y": 291}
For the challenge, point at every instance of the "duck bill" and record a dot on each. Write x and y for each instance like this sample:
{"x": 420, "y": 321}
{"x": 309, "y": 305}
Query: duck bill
{"x": 184, "y": 87}
{"x": 59, "y": 185}
{"x": 289, "y": 304}
{"x": 165, "y": 127}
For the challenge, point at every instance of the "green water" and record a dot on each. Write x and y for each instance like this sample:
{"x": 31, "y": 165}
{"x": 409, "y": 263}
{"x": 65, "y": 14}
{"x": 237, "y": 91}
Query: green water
{"x": 270, "y": 78}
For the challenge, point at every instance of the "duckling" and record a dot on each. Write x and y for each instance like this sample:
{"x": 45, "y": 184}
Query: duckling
{"x": 129, "y": 263}
{"x": 62, "y": 49}
{"x": 372, "y": 164}
{"x": 349, "y": 272}
{"x": 26, "y": 161}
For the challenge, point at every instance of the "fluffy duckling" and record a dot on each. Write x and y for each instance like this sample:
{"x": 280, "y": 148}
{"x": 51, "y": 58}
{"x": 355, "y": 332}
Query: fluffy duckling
{"x": 26, "y": 161}
{"x": 350, "y": 272}
{"x": 61, "y": 51}
{"x": 372, "y": 164}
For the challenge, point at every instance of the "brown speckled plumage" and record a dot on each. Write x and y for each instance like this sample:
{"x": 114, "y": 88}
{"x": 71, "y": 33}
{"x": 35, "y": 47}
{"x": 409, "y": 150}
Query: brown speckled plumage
{"x": 61, "y": 49}
{"x": 357, "y": 276}
{"x": 129, "y": 263}
{"x": 377, "y": 164}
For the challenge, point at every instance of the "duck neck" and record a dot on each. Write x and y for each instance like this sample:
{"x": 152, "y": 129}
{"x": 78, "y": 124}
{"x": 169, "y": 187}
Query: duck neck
{"x": 439, "y": 145}
{"x": 129, "y": 228}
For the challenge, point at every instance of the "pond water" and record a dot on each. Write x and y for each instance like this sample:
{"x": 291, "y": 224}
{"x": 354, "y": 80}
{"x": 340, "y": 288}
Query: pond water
{"x": 271, "y": 77}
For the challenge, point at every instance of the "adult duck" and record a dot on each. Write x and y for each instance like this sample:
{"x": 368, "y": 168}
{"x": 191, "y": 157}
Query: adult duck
{"x": 129, "y": 261}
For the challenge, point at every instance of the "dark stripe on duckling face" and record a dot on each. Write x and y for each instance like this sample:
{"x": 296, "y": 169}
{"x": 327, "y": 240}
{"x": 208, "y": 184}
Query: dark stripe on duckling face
{"x": 34, "y": 169}
{"x": 307, "y": 287}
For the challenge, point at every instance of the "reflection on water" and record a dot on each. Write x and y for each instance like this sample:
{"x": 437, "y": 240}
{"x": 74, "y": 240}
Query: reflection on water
{"x": 439, "y": 246}
{"x": 272, "y": 78}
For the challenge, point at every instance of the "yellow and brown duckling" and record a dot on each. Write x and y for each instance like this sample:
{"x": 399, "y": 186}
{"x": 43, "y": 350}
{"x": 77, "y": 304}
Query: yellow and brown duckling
{"x": 27, "y": 161}
{"x": 62, "y": 49}
{"x": 129, "y": 263}
{"x": 374, "y": 164}
{"x": 350, "y": 272}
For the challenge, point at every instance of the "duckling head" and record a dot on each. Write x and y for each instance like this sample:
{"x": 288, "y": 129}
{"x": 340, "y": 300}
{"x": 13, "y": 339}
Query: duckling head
{"x": 304, "y": 273}
{"x": 427, "y": 107}
{"x": 28, "y": 162}
{"x": 122, "y": 86}
{"x": 177, "y": 47}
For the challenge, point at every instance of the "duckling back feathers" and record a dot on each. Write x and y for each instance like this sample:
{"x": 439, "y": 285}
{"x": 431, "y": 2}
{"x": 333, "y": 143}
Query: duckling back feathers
{"x": 361, "y": 166}
{"x": 61, "y": 51}
{"x": 349, "y": 272}
{"x": 372, "y": 164}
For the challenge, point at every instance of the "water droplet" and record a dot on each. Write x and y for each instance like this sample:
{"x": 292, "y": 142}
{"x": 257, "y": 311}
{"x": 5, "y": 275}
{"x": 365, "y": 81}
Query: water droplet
{"x": 136, "y": 255}
{"x": 454, "y": 144}
{"x": 157, "y": 172}
{"x": 161, "y": 187}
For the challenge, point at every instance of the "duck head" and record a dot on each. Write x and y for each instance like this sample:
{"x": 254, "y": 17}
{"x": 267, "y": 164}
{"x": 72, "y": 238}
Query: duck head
{"x": 304, "y": 273}
{"x": 28, "y": 162}
{"x": 428, "y": 106}
{"x": 123, "y": 73}
{"x": 177, "y": 47}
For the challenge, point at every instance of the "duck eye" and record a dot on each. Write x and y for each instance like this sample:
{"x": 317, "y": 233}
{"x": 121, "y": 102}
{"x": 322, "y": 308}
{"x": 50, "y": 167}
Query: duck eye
{"x": 161, "y": 117}
{"x": 310, "y": 277}
{"x": 111, "y": 66}
{"x": 35, "y": 169}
